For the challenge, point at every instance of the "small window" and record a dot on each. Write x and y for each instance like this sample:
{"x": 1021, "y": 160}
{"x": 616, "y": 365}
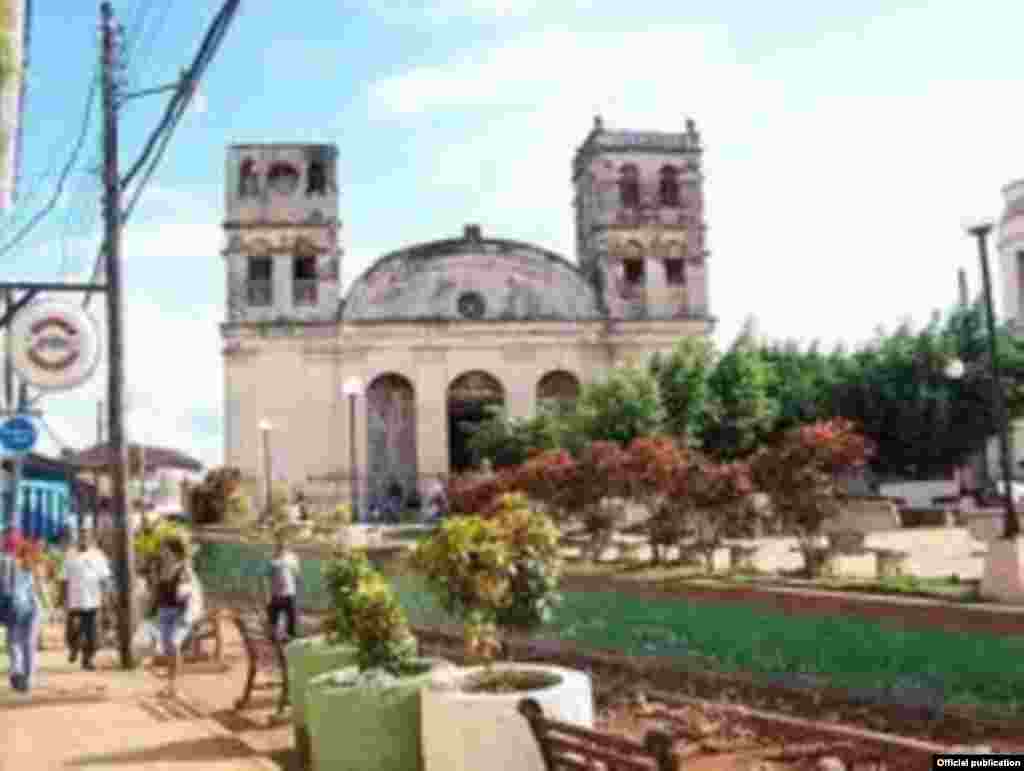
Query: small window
{"x": 260, "y": 269}
{"x": 304, "y": 283}
{"x": 261, "y": 281}
{"x": 316, "y": 183}
{"x": 633, "y": 272}
{"x": 629, "y": 186}
{"x": 283, "y": 178}
{"x": 674, "y": 275}
{"x": 668, "y": 189}
{"x": 248, "y": 181}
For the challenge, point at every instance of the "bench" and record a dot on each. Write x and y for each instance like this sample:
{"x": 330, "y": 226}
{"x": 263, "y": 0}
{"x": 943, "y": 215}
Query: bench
{"x": 264, "y": 653}
{"x": 891, "y": 562}
{"x": 568, "y": 747}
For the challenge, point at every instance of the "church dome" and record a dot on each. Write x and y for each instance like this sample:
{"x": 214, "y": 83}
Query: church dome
{"x": 472, "y": 279}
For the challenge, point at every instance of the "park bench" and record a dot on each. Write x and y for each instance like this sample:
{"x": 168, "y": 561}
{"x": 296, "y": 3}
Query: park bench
{"x": 568, "y": 747}
{"x": 264, "y": 654}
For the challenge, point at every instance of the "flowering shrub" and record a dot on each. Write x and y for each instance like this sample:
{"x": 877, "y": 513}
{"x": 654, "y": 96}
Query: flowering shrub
{"x": 366, "y": 613}
{"x": 342, "y": 576}
{"x": 500, "y": 571}
{"x": 799, "y": 473}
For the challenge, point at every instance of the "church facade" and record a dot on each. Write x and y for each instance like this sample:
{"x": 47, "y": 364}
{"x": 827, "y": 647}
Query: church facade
{"x": 437, "y": 332}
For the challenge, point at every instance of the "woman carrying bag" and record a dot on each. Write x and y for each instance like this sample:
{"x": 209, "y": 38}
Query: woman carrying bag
{"x": 179, "y": 605}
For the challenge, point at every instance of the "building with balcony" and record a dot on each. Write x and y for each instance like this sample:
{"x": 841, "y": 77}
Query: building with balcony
{"x": 439, "y": 332}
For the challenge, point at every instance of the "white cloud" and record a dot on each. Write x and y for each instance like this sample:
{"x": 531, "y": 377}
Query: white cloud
{"x": 828, "y": 213}
{"x": 173, "y": 374}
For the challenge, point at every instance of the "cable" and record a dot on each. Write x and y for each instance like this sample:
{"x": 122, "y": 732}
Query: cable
{"x": 186, "y": 87}
{"x": 86, "y": 120}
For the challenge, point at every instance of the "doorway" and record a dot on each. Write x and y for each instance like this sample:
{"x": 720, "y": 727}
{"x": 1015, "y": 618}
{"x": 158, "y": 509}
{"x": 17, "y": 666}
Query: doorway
{"x": 471, "y": 397}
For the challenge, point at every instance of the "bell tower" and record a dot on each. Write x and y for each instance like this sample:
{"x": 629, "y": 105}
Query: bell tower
{"x": 282, "y": 257}
{"x": 640, "y": 231}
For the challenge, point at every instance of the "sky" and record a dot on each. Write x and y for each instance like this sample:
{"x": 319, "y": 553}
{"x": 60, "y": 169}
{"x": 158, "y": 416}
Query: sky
{"x": 846, "y": 146}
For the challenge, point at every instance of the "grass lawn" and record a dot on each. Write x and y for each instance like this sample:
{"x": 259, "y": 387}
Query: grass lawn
{"x": 970, "y": 669}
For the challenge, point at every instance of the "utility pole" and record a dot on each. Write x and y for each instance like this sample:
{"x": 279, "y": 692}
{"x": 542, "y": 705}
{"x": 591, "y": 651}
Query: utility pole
{"x": 99, "y": 422}
{"x": 1011, "y": 526}
{"x": 10, "y": 510}
{"x": 961, "y": 276}
{"x": 115, "y": 383}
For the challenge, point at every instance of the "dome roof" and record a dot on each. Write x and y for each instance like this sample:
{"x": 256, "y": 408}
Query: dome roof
{"x": 471, "y": 279}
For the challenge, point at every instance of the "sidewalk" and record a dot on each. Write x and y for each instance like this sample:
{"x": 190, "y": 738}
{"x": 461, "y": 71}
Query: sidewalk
{"x": 111, "y": 720}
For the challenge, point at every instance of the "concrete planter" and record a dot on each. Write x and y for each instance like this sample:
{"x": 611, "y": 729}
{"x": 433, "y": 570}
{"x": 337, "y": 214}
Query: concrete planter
{"x": 366, "y": 727}
{"x": 469, "y": 731}
{"x": 306, "y": 660}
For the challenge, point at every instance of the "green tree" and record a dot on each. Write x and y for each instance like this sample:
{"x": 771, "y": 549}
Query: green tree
{"x": 921, "y": 421}
{"x": 800, "y": 382}
{"x": 619, "y": 408}
{"x": 741, "y": 411}
{"x": 508, "y": 441}
{"x": 682, "y": 377}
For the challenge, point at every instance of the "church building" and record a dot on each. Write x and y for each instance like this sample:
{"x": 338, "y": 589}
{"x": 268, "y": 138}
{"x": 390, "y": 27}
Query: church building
{"x": 432, "y": 334}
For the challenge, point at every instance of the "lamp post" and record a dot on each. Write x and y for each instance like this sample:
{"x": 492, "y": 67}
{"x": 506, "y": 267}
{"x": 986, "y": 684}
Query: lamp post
{"x": 352, "y": 388}
{"x": 1011, "y": 527}
{"x": 265, "y": 428}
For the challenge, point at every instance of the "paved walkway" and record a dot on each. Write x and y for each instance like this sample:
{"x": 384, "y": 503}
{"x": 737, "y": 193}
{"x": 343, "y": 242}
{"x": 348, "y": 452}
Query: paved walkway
{"x": 111, "y": 720}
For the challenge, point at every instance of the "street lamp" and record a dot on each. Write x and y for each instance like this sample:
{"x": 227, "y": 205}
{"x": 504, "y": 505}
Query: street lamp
{"x": 352, "y": 388}
{"x": 265, "y": 429}
{"x": 1011, "y": 527}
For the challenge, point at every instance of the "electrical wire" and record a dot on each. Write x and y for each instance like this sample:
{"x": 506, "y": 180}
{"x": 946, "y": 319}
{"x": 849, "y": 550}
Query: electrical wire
{"x": 65, "y": 172}
{"x": 178, "y": 104}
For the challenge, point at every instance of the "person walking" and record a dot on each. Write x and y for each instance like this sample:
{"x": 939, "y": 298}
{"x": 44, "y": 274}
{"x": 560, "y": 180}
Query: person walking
{"x": 283, "y": 574}
{"x": 179, "y": 605}
{"x": 26, "y": 614}
{"x": 87, "y": 578}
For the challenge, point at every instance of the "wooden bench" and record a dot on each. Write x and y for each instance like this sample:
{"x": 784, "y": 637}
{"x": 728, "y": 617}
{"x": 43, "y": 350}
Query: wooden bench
{"x": 568, "y": 747}
{"x": 264, "y": 653}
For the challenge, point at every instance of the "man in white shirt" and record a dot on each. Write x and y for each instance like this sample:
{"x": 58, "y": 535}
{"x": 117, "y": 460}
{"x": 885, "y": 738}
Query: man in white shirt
{"x": 283, "y": 575}
{"x": 87, "y": 573}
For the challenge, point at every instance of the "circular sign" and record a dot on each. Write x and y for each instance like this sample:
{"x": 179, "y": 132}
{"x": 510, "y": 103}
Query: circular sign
{"x": 18, "y": 434}
{"x": 54, "y": 345}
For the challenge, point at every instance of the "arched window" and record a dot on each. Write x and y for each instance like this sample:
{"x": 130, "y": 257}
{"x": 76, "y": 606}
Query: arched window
{"x": 668, "y": 189}
{"x": 629, "y": 186}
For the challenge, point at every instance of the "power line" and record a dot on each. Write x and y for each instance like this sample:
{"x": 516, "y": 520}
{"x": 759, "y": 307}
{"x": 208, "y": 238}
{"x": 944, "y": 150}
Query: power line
{"x": 66, "y": 171}
{"x": 176, "y": 107}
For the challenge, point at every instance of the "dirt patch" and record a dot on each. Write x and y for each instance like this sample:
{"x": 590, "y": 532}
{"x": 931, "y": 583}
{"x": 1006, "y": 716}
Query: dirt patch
{"x": 510, "y": 681}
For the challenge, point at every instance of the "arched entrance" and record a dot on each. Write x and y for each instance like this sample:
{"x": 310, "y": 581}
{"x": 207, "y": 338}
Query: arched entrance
{"x": 390, "y": 440}
{"x": 469, "y": 397}
{"x": 557, "y": 387}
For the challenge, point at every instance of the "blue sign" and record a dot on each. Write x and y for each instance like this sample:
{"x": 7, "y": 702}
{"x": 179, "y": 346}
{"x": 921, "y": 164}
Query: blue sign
{"x": 18, "y": 434}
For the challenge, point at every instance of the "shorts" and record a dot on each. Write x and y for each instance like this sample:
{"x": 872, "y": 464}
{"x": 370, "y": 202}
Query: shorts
{"x": 173, "y": 630}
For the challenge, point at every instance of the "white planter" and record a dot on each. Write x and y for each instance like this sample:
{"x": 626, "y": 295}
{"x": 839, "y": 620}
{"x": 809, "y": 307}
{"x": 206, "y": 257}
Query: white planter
{"x": 470, "y": 731}
{"x": 1003, "y": 580}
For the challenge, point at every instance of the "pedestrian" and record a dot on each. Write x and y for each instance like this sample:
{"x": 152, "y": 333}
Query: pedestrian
{"x": 87, "y": 578}
{"x": 437, "y": 499}
{"x": 27, "y": 613}
{"x": 179, "y": 605}
{"x": 283, "y": 575}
